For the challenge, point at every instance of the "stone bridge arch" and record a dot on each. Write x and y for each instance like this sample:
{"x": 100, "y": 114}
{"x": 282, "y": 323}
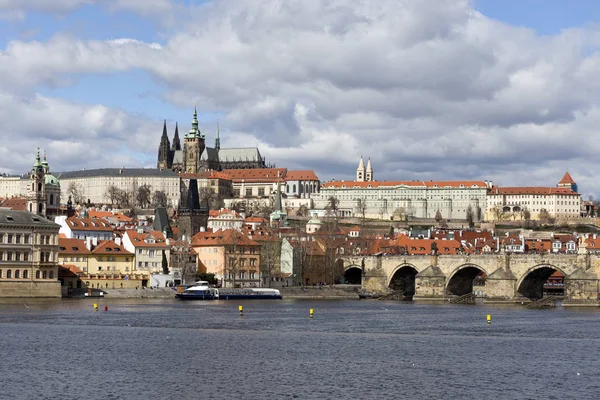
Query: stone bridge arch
{"x": 402, "y": 279}
{"x": 531, "y": 283}
{"x": 353, "y": 274}
{"x": 460, "y": 281}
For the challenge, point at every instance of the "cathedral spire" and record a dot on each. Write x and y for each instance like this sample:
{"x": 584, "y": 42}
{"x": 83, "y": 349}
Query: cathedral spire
{"x": 163, "y": 149}
{"x": 217, "y": 139}
{"x": 176, "y": 141}
{"x": 194, "y": 132}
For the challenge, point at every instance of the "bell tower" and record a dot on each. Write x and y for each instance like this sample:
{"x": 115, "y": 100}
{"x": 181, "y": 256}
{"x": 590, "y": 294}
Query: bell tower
{"x": 36, "y": 198}
{"x": 361, "y": 171}
{"x": 193, "y": 147}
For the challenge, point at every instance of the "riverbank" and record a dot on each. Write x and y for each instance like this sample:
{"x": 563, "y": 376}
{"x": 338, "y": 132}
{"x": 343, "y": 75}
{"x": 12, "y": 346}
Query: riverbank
{"x": 323, "y": 292}
{"x": 293, "y": 292}
{"x": 157, "y": 293}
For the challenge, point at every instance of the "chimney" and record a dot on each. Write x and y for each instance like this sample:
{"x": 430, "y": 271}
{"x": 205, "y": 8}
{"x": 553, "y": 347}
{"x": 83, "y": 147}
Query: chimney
{"x": 95, "y": 241}
{"x": 118, "y": 241}
{"x": 88, "y": 243}
{"x": 202, "y": 229}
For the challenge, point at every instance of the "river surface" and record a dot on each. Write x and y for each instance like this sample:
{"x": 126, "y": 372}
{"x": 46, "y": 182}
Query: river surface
{"x": 170, "y": 349}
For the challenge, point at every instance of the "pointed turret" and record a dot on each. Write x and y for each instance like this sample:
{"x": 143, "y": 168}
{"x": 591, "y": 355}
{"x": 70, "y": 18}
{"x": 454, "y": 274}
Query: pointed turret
{"x": 369, "y": 171}
{"x": 360, "y": 171}
{"x": 163, "y": 148}
{"x": 194, "y": 132}
{"x": 217, "y": 139}
{"x": 568, "y": 182}
{"x": 176, "y": 141}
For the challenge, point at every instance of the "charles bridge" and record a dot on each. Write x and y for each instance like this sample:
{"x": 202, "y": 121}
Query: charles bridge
{"x": 510, "y": 277}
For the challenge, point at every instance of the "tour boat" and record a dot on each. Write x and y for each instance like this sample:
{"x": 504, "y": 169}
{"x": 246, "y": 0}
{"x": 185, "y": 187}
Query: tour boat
{"x": 202, "y": 291}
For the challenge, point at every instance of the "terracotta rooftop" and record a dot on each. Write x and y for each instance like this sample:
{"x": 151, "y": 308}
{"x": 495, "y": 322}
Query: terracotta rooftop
{"x": 530, "y": 190}
{"x": 222, "y": 238}
{"x": 15, "y": 203}
{"x": 72, "y": 246}
{"x": 140, "y": 239}
{"x": 257, "y": 174}
{"x": 421, "y": 184}
{"x": 567, "y": 179}
{"x": 302, "y": 175}
{"x": 88, "y": 224}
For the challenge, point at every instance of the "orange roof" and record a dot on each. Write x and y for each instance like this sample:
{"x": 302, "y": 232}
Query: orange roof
{"x": 303, "y": 175}
{"x": 256, "y": 219}
{"x": 256, "y": 175}
{"x": 530, "y": 190}
{"x": 205, "y": 175}
{"x": 88, "y": 224}
{"x": 421, "y": 184}
{"x": 110, "y": 247}
{"x": 72, "y": 246}
{"x": 16, "y": 203}
{"x": 567, "y": 179}
{"x": 139, "y": 239}
{"x": 72, "y": 268}
{"x": 223, "y": 211}
{"x": 222, "y": 238}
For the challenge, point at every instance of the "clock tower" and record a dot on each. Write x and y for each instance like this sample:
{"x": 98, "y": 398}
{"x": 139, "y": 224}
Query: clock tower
{"x": 36, "y": 199}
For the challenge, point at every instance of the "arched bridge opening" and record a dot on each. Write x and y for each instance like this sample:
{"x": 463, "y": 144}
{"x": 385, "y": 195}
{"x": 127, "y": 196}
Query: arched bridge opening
{"x": 541, "y": 280}
{"x": 403, "y": 281}
{"x": 353, "y": 275}
{"x": 464, "y": 279}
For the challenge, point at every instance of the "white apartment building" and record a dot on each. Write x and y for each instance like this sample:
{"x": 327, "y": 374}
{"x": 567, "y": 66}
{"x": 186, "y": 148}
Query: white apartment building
{"x": 148, "y": 248}
{"x": 562, "y": 201}
{"x": 92, "y": 184}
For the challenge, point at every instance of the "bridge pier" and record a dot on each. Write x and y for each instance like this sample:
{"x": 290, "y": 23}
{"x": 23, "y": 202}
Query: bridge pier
{"x": 430, "y": 285}
{"x": 581, "y": 289}
{"x": 500, "y": 287}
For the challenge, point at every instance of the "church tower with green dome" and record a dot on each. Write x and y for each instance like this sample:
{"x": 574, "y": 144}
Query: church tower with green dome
{"x": 52, "y": 190}
{"x": 36, "y": 196}
{"x": 193, "y": 147}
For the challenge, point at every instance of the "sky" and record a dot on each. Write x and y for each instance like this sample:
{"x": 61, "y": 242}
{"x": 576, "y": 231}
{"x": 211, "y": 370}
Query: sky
{"x": 506, "y": 90}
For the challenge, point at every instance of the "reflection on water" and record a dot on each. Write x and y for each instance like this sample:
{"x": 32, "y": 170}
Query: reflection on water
{"x": 167, "y": 349}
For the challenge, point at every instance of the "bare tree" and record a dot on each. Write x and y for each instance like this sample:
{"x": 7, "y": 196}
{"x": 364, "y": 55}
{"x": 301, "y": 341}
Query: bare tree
{"x": 332, "y": 207}
{"x": 399, "y": 214}
{"x": 361, "y": 208}
{"x": 159, "y": 199}
{"x": 112, "y": 194}
{"x": 470, "y": 217}
{"x": 270, "y": 258}
{"x": 498, "y": 212}
{"x": 143, "y": 196}
{"x": 478, "y": 214}
{"x": 302, "y": 211}
{"x": 75, "y": 191}
{"x": 184, "y": 261}
{"x": 207, "y": 196}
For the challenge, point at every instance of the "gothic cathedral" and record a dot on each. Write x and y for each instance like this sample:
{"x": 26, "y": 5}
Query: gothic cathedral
{"x": 195, "y": 156}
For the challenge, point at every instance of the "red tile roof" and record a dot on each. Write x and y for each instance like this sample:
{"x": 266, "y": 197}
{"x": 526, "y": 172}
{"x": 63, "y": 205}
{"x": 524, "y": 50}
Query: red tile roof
{"x": 110, "y": 247}
{"x": 423, "y": 184}
{"x": 530, "y": 190}
{"x": 16, "y": 203}
{"x": 222, "y": 238}
{"x": 256, "y": 175}
{"x": 567, "y": 178}
{"x": 303, "y": 175}
{"x": 88, "y": 224}
{"x": 139, "y": 239}
{"x": 205, "y": 175}
{"x": 72, "y": 246}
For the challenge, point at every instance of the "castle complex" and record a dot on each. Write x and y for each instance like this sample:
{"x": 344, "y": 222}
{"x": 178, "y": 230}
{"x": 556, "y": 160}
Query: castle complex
{"x": 195, "y": 156}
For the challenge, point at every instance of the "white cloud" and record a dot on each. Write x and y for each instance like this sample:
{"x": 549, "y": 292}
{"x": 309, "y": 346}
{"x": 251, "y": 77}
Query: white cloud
{"x": 429, "y": 89}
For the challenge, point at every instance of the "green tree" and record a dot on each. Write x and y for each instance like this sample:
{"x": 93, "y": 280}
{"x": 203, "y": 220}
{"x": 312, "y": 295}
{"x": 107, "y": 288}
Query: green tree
{"x": 159, "y": 199}
{"x": 143, "y": 196}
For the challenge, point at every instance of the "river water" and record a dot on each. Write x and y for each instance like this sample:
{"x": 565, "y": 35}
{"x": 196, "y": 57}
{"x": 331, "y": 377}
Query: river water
{"x": 169, "y": 349}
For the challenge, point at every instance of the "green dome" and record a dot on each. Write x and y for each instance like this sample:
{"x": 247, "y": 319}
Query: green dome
{"x": 51, "y": 180}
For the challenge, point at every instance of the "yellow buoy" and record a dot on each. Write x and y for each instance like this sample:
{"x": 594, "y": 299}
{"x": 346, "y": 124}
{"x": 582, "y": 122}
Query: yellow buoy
{"x": 312, "y": 312}
{"x": 241, "y": 308}
{"x": 489, "y": 319}
{"x": 95, "y": 307}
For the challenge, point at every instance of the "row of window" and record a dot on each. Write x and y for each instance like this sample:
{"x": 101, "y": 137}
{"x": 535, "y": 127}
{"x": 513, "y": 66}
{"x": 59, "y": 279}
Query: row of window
{"x": 24, "y": 274}
{"x": 242, "y": 275}
{"x": 17, "y": 238}
{"x": 240, "y": 263}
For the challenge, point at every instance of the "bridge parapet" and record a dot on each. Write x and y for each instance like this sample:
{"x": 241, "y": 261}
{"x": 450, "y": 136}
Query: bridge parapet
{"x": 511, "y": 277}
